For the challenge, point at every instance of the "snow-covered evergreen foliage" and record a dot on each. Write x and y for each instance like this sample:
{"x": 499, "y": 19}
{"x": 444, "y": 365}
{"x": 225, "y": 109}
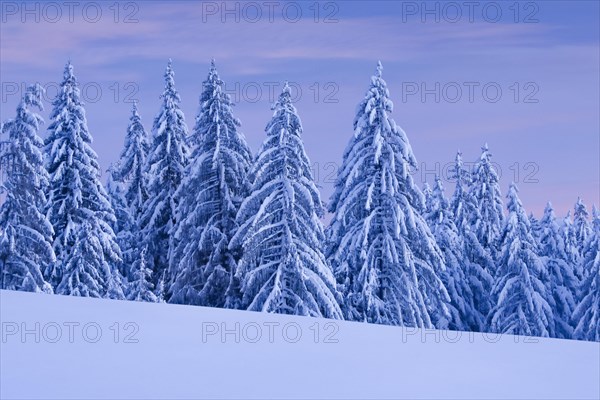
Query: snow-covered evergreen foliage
{"x": 124, "y": 226}
{"x": 209, "y": 197}
{"x": 521, "y": 305}
{"x": 165, "y": 167}
{"x": 26, "y": 234}
{"x": 462, "y": 204}
{"x": 581, "y": 224}
{"x": 382, "y": 251}
{"x": 569, "y": 240}
{"x": 159, "y": 290}
{"x": 222, "y": 230}
{"x": 428, "y": 197}
{"x": 132, "y": 163}
{"x": 127, "y": 186}
{"x": 464, "y": 315}
{"x": 536, "y": 227}
{"x": 485, "y": 191}
{"x": 283, "y": 269}
{"x": 76, "y": 196}
{"x": 479, "y": 268}
{"x": 560, "y": 279}
{"x": 88, "y": 271}
{"x": 587, "y": 314}
{"x": 140, "y": 287}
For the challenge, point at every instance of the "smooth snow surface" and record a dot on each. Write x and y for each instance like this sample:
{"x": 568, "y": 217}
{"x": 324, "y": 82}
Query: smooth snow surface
{"x": 176, "y": 356}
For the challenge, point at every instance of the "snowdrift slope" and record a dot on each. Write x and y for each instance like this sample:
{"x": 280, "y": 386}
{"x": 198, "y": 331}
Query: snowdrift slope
{"x": 66, "y": 347}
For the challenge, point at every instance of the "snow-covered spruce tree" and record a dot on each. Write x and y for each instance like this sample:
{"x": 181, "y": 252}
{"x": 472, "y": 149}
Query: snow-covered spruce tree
{"x": 209, "y": 197}
{"x": 521, "y": 300}
{"x": 77, "y": 196}
{"x": 26, "y": 243}
{"x": 283, "y": 269}
{"x": 479, "y": 265}
{"x": 581, "y": 224}
{"x": 86, "y": 271}
{"x": 140, "y": 287}
{"x": 166, "y": 163}
{"x": 485, "y": 191}
{"x": 587, "y": 314}
{"x": 132, "y": 164}
{"x": 536, "y": 227}
{"x": 461, "y": 204}
{"x": 464, "y": 315}
{"x": 569, "y": 240}
{"x": 124, "y": 225}
{"x": 129, "y": 179}
{"x": 382, "y": 252}
{"x": 428, "y": 197}
{"x": 560, "y": 279}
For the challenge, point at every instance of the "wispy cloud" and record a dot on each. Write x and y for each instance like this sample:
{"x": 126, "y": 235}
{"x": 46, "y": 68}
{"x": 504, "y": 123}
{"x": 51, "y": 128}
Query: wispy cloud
{"x": 157, "y": 35}
{"x": 562, "y": 60}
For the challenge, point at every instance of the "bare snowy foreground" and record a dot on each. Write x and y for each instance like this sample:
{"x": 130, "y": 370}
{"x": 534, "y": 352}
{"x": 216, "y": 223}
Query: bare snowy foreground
{"x": 69, "y": 347}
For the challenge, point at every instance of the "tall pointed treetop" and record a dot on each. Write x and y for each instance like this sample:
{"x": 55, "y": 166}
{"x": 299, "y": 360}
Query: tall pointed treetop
{"x": 166, "y": 163}
{"x": 485, "y": 191}
{"x": 132, "y": 163}
{"x": 76, "y": 195}
{"x": 581, "y": 224}
{"x": 214, "y": 185}
{"x": 379, "y": 71}
{"x": 382, "y": 251}
{"x": 283, "y": 269}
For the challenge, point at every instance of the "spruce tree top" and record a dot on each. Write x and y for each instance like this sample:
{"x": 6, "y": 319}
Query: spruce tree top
{"x": 550, "y": 242}
{"x": 283, "y": 133}
{"x": 486, "y": 194}
{"x": 216, "y": 123}
{"x": 131, "y": 169}
{"x": 440, "y": 206}
{"x": 68, "y": 115}
{"x": 75, "y": 190}
{"x": 170, "y": 93}
{"x": 394, "y": 153}
{"x": 580, "y": 221}
{"x": 380, "y": 247}
{"x": 170, "y": 133}
{"x": 519, "y": 220}
{"x": 581, "y": 210}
